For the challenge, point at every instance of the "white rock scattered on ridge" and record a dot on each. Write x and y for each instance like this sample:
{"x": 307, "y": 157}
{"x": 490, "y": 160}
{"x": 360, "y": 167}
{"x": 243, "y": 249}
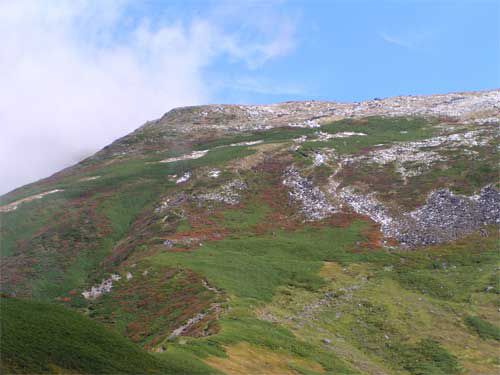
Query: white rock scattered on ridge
{"x": 414, "y": 157}
{"x": 297, "y": 142}
{"x": 323, "y": 136}
{"x": 172, "y": 202}
{"x": 192, "y": 155}
{"x": 185, "y": 177}
{"x": 319, "y": 159}
{"x": 250, "y": 143}
{"x": 323, "y": 157}
{"x": 228, "y": 193}
{"x": 104, "y": 287}
{"x": 91, "y": 178}
{"x": 463, "y": 106}
{"x": 129, "y": 276}
{"x": 214, "y": 173}
{"x": 305, "y": 124}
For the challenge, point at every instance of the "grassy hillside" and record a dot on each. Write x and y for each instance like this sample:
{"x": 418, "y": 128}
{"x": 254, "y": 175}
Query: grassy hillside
{"x": 222, "y": 271}
{"x": 42, "y": 338}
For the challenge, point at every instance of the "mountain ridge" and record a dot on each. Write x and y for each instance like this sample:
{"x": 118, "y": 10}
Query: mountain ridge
{"x": 491, "y": 102}
{"x": 323, "y": 238}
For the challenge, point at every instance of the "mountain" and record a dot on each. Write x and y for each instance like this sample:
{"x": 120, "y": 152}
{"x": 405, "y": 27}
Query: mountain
{"x": 292, "y": 238}
{"x": 38, "y": 337}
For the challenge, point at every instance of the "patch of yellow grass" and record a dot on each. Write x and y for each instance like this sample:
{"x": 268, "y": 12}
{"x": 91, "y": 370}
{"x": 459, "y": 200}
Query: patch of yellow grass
{"x": 256, "y": 158}
{"x": 250, "y": 360}
{"x": 412, "y": 316}
{"x": 338, "y": 274}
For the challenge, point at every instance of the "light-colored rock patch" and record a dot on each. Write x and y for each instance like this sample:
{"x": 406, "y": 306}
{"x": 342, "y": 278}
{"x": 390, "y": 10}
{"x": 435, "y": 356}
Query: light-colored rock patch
{"x": 228, "y": 193}
{"x": 104, "y": 287}
{"x": 190, "y": 156}
{"x": 91, "y": 178}
{"x": 415, "y": 157}
{"x": 313, "y": 202}
{"x": 322, "y": 136}
{"x": 13, "y": 206}
{"x": 444, "y": 217}
{"x": 184, "y": 178}
{"x": 251, "y": 143}
{"x": 214, "y": 173}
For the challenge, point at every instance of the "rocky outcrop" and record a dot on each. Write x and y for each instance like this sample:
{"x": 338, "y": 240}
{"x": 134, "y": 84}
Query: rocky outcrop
{"x": 228, "y": 193}
{"x": 415, "y": 157}
{"x": 444, "y": 217}
{"x": 313, "y": 202}
{"x": 482, "y": 106}
{"x": 447, "y": 216}
{"x": 213, "y": 120}
{"x": 104, "y": 287}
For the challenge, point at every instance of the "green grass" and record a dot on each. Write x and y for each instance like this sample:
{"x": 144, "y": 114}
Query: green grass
{"x": 398, "y": 309}
{"x": 451, "y": 271}
{"x": 267, "y": 136}
{"x": 253, "y": 267}
{"x": 244, "y": 218}
{"x": 426, "y": 357}
{"x": 461, "y": 172}
{"x": 21, "y": 224}
{"x": 147, "y": 308}
{"x": 63, "y": 257}
{"x": 405, "y": 306}
{"x": 239, "y": 327}
{"x": 484, "y": 329}
{"x": 250, "y": 269}
{"x": 378, "y": 131}
{"x": 41, "y": 338}
{"x": 253, "y": 270}
{"x": 126, "y": 171}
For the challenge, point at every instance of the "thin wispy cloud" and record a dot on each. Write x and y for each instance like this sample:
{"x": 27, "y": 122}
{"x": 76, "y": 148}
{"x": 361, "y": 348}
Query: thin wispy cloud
{"x": 407, "y": 39}
{"x": 75, "y": 75}
{"x": 395, "y": 40}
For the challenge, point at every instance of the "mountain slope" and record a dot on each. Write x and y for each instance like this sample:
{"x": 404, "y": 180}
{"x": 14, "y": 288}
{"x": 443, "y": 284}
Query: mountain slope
{"x": 306, "y": 237}
{"x": 43, "y": 338}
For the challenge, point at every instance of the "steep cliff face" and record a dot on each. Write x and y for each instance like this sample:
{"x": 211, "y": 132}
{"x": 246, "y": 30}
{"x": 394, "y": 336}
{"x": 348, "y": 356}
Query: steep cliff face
{"x": 320, "y": 236}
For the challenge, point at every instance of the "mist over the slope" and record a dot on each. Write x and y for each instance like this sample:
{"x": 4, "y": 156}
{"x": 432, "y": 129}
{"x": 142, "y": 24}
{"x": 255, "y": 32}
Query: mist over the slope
{"x": 75, "y": 75}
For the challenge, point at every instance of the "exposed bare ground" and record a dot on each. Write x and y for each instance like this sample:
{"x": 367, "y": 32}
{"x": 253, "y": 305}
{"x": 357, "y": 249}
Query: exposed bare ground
{"x": 13, "y": 206}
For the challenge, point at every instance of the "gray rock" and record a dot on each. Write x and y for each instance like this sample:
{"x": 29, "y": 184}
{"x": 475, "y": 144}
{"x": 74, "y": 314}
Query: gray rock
{"x": 313, "y": 202}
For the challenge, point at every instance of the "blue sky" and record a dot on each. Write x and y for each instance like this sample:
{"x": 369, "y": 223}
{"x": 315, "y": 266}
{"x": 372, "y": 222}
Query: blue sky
{"x": 356, "y": 50}
{"x": 77, "y": 74}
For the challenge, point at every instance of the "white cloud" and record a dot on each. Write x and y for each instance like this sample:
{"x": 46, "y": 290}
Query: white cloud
{"x": 75, "y": 75}
{"x": 408, "y": 39}
{"x": 262, "y": 30}
{"x": 394, "y": 40}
